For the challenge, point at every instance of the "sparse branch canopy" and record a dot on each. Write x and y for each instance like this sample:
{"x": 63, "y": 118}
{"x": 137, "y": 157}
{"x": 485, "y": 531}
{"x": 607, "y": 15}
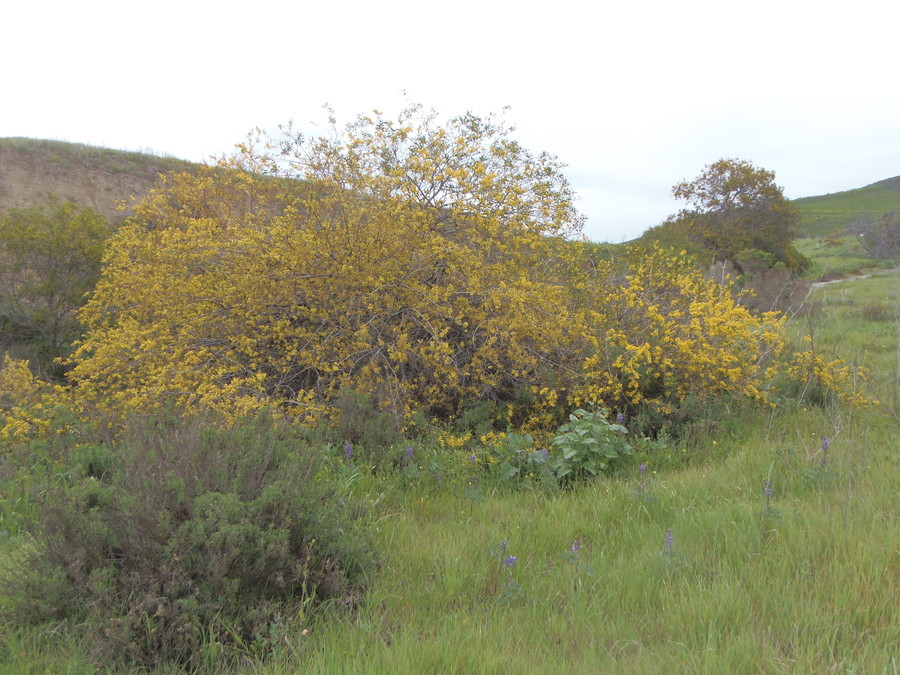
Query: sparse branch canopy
{"x": 468, "y": 170}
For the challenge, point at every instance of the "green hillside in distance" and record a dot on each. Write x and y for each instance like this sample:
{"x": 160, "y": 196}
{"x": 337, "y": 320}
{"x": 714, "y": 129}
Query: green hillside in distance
{"x": 833, "y": 212}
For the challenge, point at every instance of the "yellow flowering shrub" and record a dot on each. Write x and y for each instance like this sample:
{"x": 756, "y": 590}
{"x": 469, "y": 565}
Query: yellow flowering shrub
{"x": 659, "y": 332}
{"x": 819, "y": 380}
{"x": 419, "y": 264}
{"x": 24, "y": 402}
{"x": 423, "y": 266}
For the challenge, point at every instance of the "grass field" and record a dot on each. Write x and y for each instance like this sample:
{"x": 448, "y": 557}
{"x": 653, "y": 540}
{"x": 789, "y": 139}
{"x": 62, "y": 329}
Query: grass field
{"x": 752, "y": 549}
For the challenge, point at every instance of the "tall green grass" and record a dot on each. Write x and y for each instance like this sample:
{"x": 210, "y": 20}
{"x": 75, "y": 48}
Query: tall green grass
{"x": 806, "y": 583}
{"x": 835, "y": 262}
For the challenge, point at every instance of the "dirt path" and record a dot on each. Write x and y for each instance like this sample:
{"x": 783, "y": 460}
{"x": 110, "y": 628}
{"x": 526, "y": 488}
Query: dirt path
{"x": 822, "y": 284}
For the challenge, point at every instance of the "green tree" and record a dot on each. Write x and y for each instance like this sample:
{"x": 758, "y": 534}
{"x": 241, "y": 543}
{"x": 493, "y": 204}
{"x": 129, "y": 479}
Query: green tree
{"x": 50, "y": 258}
{"x": 736, "y": 207}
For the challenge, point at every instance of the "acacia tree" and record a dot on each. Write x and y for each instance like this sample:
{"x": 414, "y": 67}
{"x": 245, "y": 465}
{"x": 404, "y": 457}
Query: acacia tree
{"x": 736, "y": 207}
{"x": 421, "y": 263}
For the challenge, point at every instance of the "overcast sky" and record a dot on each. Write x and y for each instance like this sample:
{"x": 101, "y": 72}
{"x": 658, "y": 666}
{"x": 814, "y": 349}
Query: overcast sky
{"x": 633, "y": 97}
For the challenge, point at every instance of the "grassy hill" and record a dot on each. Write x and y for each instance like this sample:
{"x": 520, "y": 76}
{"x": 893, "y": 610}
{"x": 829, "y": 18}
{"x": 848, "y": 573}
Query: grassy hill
{"x": 833, "y": 212}
{"x": 101, "y": 178}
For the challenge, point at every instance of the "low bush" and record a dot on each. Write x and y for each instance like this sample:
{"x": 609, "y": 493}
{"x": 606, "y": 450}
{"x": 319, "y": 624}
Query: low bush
{"x": 182, "y": 535}
{"x": 522, "y": 464}
{"x": 588, "y": 445}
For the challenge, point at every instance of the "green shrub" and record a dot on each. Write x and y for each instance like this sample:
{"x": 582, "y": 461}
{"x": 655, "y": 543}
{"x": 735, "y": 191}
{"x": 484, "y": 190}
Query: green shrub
{"x": 190, "y": 536}
{"x": 521, "y": 464}
{"x": 878, "y": 312}
{"x": 479, "y": 417}
{"x": 588, "y": 445}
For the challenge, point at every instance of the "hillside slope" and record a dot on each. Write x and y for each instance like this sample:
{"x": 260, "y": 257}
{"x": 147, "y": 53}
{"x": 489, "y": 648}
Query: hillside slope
{"x": 32, "y": 169}
{"x": 834, "y": 212}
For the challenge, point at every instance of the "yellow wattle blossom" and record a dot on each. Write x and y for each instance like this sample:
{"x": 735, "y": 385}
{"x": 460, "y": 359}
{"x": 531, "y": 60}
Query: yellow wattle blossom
{"x": 26, "y": 403}
{"x": 425, "y": 266}
{"x": 422, "y": 265}
{"x": 817, "y": 376}
{"x": 674, "y": 334}
{"x": 453, "y": 441}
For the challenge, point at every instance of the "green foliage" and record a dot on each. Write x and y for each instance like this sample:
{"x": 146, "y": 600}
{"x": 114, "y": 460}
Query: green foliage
{"x": 92, "y": 460}
{"x": 49, "y": 260}
{"x": 189, "y": 535}
{"x": 479, "y": 417}
{"x": 520, "y": 463}
{"x": 738, "y": 207}
{"x": 588, "y": 445}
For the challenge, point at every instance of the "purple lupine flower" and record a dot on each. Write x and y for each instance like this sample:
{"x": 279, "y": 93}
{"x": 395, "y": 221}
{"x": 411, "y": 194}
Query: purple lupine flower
{"x": 825, "y": 443}
{"x": 472, "y": 458}
{"x": 409, "y": 452}
{"x": 643, "y": 468}
{"x": 620, "y": 418}
{"x": 544, "y": 453}
{"x": 768, "y": 491}
{"x": 670, "y": 539}
{"x": 510, "y": 561}
{"x": 348, "y": 450}
{"x": 575, "y": 546}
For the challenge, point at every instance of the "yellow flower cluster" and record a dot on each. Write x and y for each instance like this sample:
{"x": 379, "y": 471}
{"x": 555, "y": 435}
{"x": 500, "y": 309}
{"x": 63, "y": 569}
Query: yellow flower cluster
{"x": 26, "y": 403}
{"x": 493, "y": 438}
{"x": 451, "y": 441}
{"x": 667, "y": 333}
{"x": 817, "y": 377}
